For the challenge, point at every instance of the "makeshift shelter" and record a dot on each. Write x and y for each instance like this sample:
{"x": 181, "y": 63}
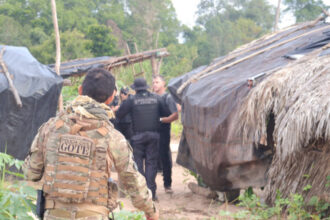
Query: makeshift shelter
{"x": 265, "y": 106}
{"x": 38, "y": 88}
{"x": 81, "y": 66}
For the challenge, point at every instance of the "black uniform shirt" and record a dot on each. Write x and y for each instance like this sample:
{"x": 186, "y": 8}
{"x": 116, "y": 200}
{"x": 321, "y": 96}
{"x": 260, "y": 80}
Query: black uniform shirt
{"x": 127, "y": 106}
{"x": 170, "y": 108}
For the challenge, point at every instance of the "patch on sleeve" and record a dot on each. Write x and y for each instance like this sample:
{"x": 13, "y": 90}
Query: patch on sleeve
{"x": 102, "y": 131}
{"x": 76, "y": 145}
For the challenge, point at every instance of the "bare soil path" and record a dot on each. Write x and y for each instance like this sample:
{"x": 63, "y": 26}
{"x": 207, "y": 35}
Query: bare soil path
{"x": 183, "y": 204}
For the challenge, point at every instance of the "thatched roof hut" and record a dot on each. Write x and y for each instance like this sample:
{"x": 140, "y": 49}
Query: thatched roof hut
{"x": 298, "y": 97}
{"x": 260, "y": 115}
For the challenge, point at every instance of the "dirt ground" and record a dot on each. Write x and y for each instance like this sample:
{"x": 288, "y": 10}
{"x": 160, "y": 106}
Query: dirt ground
{"x": 183, "y": 204}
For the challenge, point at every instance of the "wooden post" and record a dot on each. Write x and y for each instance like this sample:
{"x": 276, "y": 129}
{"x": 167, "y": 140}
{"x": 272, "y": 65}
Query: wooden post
{"x": 154, "y": 66}
{"x": 159, "y": 65}
{"x": 278, "y": 10}
{"x": 58, "y": 49}
{"x": 141, "y": 66}
{"x": 10, "y": 81}
{"x": 129, "y": 53}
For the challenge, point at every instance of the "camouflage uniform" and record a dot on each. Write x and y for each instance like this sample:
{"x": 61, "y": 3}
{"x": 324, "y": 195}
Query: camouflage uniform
{"x": 73, "y": 154}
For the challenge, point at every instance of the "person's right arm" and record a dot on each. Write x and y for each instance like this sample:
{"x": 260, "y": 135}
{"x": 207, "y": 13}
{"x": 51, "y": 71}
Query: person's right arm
{"x": 133, "y": 182}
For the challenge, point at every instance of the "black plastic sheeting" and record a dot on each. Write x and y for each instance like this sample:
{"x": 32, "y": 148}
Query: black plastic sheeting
{"x": 209, "y": 145}
{"x": 81, "y": 66}
{"x": 39, "y": 89}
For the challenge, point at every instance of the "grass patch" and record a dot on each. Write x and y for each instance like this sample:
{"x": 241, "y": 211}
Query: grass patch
{"x": 176, "y": 129}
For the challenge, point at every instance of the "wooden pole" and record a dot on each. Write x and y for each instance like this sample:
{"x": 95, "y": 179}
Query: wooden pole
{"x": 58, "y": 49}
{"x": 159, "y": 65}
{"x": 10, "y": 81}
{"x": 278, "y": 11}
{"x": 154, "y": 66}
{"x": 129, "y": 53}
{"x": 141, "y": 66}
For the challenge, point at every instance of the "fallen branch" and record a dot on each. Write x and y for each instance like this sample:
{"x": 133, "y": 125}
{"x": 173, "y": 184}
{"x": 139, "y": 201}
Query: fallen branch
{"x": 10, "y": 81}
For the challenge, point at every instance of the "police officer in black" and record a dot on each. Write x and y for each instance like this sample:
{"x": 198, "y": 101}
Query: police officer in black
{"x": 145, "y": 109}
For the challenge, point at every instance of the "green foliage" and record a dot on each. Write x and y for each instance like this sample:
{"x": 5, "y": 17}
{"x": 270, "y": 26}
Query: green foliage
{"x": 306, "y": 188}
{"x": 16, "y": 199}
{"x": 296, "y": 207}
{"x": 128, "y": 215}
{"x": 225, "y": 25}
{"x": 305, "y": 10}
{"x": 100, "y": 27}
{"x": 101, "y": 43}
{"x": 71, "y": 92}
{"x": 14, "y": 33}
{"x": 152, "y": 23}
{"x": 328, "y": 182}
{"x": 180, "y": 61}
{"x": 188, "y": 173}
{"x": 176, "y": 128}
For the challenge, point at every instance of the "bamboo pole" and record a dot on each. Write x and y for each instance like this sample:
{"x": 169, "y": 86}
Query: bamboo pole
{"x": 58, "y": 49}
{"x": 10, "y": 81}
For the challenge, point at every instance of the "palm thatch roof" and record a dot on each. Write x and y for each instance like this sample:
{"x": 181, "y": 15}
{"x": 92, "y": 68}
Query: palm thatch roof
{"x": 299, "y": 98}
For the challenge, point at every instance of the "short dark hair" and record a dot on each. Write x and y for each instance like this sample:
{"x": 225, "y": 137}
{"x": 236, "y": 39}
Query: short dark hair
{"x": 98, "y": 84}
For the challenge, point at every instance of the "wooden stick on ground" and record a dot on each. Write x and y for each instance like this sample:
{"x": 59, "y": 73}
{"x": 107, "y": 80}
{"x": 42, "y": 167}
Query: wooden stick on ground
{"x": 58, "y": 49}
{"x": 10, "y": 81}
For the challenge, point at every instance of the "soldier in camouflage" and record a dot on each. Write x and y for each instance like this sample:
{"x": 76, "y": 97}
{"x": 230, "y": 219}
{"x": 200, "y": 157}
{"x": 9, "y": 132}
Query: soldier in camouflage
{"x": 73, "y": 153}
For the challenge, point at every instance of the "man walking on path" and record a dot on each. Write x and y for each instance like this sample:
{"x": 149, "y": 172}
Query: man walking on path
{"x": 171, "y": 113}
{"x": 145, "y": 109}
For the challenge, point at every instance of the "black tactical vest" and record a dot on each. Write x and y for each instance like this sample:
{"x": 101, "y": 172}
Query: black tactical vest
{"x": 145, "y": 114}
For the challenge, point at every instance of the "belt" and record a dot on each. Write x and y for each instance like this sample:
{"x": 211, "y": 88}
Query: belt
{"x": 52, "y": 204}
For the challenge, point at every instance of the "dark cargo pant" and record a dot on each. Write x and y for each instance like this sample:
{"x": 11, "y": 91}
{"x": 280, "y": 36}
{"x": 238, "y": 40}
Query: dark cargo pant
{"x": 145, "y": 148}
{"x": 166, "y": 156}
{"x": 125, "y": 129}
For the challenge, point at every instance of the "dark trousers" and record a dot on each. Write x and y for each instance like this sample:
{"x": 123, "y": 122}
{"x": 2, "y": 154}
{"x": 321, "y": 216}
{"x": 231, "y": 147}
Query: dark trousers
{"x": 125, "y": 129}
{"x": 145, "y": 150}
{"x": 166, "y": 156}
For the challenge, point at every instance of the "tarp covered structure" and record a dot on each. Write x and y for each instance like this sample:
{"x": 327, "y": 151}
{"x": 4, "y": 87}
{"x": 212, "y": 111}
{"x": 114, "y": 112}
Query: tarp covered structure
{"x": 211, "y": 98}
{"x": 38, "y": 87}
{"x": 83, "y": 65}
